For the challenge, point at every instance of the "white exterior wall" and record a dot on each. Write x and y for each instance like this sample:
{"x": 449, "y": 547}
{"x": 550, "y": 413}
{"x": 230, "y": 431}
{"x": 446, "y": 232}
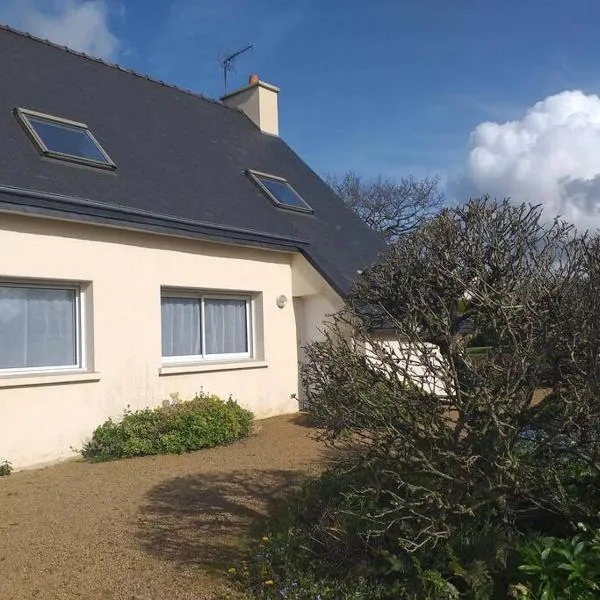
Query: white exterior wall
{"x": 314, "y": 302}
{"x": 43, "y": 417}
{"x": 422, "y": 364}
{"x": 314, "y": 297}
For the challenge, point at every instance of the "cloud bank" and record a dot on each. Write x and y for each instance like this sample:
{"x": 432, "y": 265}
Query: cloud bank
{"x": 550, "y": 157}
{"x": 79, "y": 24}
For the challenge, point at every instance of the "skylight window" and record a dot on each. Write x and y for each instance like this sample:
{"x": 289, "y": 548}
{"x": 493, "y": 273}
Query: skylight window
{"x": 66, "y": 140}
{"x": 279, "y": 191}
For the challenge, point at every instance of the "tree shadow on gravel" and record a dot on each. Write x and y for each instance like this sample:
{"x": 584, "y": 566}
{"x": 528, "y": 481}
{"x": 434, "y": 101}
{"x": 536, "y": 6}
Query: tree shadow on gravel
{"x": 304, "y": 419}
{"x": 202, "y": 520}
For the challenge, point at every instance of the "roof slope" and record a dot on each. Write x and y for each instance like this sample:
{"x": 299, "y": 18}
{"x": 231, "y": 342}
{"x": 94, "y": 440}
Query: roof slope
{"x": 180, "y": 162}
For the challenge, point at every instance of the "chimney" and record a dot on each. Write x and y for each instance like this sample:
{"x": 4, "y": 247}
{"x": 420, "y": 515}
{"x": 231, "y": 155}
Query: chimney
{"x": 258, "y": 100}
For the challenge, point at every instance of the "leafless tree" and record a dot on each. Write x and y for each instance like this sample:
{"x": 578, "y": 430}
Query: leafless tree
{"x": 391, "y": 208}
{"x": 450, "y": 441}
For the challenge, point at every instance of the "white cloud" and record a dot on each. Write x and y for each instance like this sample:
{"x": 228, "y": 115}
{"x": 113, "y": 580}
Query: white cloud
{"x": 551, "y": 157}
{"x": 79, "y": 24}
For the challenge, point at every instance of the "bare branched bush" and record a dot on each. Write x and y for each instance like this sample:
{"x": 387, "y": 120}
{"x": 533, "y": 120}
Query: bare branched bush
{"x": 458, "y": 447}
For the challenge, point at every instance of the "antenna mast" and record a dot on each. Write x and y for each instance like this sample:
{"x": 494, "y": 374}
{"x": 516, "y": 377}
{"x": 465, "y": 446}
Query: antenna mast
{"x": 227, "y": 63}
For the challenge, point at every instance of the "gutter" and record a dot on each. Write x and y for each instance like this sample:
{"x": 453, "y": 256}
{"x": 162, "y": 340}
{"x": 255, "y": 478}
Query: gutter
{"x": 81, "y": 206}
{"x": 98, "y": 213}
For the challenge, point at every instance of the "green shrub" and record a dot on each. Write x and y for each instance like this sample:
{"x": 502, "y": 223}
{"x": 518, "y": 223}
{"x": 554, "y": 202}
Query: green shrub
{"x": 560, "y": 568}
{"x": 282, "y": 566}
{"x": 5, "y": 468}
{"x": 203, "y": 422}
{"x": 315, "y": 549}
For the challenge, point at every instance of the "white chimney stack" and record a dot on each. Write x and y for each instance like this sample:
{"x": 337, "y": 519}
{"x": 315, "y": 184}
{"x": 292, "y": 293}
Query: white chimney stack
{"x": 258, "y": 100}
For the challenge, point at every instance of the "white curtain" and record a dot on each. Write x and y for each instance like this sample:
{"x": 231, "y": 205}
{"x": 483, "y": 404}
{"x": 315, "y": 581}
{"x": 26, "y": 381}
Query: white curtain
{"x": 181, "y": 327}
{"x": 226, "y": 328}
{"x": 37, "y": 327}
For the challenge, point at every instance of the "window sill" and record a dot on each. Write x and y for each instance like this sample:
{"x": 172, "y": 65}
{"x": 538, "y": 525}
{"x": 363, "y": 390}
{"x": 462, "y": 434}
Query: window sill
{"x": 26, "y": 379}
{"x": 180, "y": 369}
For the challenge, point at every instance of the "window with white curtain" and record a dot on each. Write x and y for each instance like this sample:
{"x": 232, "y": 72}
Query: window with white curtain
{"x": 40, "y": 327}
{"x": 205, "y": 326}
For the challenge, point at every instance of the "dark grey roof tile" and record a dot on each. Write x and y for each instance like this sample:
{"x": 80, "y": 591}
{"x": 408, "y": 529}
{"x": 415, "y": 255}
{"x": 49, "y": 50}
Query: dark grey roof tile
{"x": 178, "y": 154}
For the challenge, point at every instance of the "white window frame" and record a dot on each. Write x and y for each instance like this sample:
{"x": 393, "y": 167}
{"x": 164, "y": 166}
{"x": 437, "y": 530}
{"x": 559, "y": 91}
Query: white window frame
{"x": 23, "y": 115}
{"x": 80, "y": 329}
{"x": 201, "y": 296}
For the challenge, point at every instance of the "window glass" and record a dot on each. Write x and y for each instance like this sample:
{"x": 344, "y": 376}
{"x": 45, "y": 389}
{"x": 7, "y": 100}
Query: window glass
{"x": 38, "y": 327}
{"x": 280, "y": 192}
{"x": 226, "y": 328}
{"x": 204, "y": 326}
{"x": 181, "y": 335}
{"x": 65, "y": 140}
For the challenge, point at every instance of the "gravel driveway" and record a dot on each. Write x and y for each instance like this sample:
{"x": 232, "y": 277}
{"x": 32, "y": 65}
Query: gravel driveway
{"x": 152, "y": 528}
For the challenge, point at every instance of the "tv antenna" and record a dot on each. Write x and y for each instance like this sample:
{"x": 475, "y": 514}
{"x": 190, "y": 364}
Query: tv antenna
{"x": 227, "y": 63}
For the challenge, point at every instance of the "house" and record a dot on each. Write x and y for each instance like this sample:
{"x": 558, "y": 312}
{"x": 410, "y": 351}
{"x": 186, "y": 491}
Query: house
{"x": 153, "y": 242}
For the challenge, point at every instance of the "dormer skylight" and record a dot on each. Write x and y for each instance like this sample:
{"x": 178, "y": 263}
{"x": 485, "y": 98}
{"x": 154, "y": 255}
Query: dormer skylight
{"x": 279, "y": 191}
{"x": 63, "y": 139}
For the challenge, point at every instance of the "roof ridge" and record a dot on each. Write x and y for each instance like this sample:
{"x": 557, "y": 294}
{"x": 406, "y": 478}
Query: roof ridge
{"x": 115, "y": 66}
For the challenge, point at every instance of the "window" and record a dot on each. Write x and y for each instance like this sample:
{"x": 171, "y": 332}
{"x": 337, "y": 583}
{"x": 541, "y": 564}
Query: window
{"x": 40, "y": 327}
{"x": 64, "y": 139}
{"x": 199, "y": 327}
{"x": 279, "y": 191}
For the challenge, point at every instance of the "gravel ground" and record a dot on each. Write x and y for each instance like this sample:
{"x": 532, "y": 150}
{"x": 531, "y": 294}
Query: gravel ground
{"x": 152, "y": 528}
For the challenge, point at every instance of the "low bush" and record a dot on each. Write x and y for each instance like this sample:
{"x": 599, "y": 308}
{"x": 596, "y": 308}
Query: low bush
{"x": 315, "y": 549}
{"x": 203, "y": 422}
{"x": 5, "y": 468}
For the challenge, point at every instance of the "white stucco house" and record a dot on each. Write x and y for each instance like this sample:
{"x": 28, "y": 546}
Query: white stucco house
{"x": 152, "y": 242}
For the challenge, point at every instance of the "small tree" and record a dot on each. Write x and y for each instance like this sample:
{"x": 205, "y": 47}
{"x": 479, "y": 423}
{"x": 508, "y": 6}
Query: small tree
{"x": 391, "y": 208}
{"x": 455, "y": 452}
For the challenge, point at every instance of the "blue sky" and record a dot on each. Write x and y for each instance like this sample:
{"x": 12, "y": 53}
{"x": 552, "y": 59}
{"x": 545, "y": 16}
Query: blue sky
{"x": 381, "y": 87}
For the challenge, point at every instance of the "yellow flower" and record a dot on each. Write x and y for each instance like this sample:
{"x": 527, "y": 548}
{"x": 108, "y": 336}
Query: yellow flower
{"x": 269, "y": 582}
{"x": 232, "y": 570}
{"x": 265, "y": 538}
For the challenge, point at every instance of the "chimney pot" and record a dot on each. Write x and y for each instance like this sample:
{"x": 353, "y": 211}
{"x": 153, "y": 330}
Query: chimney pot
{"x": 253, "y": 79}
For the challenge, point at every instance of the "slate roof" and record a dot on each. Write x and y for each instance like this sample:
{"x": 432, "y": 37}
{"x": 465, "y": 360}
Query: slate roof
{"x": 180, "y": 161}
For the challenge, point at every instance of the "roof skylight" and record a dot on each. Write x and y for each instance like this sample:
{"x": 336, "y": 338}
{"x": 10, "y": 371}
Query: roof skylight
{"x": 63, "y": 139}
{"x": 279, "y": 191}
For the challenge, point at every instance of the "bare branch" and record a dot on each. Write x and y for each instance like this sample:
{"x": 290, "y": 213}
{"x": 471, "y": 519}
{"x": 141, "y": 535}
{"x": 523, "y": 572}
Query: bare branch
{"x": 391, "y": 208}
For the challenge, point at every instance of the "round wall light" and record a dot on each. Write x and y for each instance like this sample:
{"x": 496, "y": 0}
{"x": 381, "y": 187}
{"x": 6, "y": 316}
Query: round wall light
{"x": 281, "y": 300}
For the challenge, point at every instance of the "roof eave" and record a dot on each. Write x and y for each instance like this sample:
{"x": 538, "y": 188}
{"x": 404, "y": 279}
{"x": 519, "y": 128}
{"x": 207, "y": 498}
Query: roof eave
{"x": 57, "y": 205}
